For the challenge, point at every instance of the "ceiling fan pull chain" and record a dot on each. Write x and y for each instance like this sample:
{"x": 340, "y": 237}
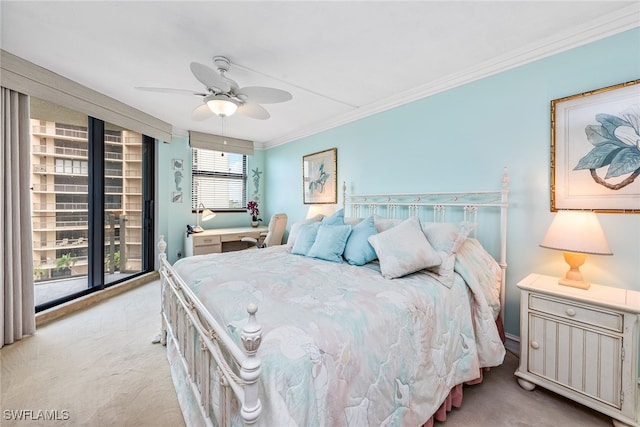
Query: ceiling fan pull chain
{"x": 224, "y": 141}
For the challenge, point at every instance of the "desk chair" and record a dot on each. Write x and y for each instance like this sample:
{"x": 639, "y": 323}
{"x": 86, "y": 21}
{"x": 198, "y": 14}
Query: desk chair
{"x": 273, "y": 236}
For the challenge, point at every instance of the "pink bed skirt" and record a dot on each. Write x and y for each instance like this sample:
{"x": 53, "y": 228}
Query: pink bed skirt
{"x": 454, "y": 399}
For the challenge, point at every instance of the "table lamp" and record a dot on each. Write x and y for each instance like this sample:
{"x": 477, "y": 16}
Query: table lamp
{"x": 206, "y": 214}
{"x": 576, "y": 234}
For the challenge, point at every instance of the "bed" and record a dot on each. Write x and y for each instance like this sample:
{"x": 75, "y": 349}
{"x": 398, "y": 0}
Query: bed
{"x": 291, "y": 335}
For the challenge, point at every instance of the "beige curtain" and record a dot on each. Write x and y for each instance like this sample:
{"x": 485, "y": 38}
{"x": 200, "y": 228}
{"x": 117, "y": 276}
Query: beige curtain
{"x": 16, "y": 256}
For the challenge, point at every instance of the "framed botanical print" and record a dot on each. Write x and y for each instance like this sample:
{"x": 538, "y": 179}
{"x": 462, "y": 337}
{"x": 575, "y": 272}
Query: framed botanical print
{"x": 319, "y": 177}
{"x": 595, "y": 150}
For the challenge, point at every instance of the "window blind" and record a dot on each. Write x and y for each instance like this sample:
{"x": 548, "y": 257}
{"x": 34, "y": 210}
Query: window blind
{"x": 220, "y": 143}
{"x": 218, "y": 180}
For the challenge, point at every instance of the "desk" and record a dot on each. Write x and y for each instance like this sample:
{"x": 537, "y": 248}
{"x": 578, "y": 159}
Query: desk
{"x": 218, "y": 240}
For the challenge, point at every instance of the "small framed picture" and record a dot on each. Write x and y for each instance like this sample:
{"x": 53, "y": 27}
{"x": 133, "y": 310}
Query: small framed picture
{"x": 177, "y": 164}
{"x": 176, "y": 197}
{"x": 319, "y": 177}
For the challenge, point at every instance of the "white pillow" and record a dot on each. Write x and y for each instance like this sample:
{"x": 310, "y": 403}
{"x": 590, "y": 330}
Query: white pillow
{"x": 403, "y": 249}
{"x": 295, "y": 227}
{"x": 383, "y": 224}
{"x": 352, "y": 221}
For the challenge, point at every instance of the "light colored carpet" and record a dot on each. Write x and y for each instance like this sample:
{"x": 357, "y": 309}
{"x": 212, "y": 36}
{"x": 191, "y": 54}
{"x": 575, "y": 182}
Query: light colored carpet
{"x": 500, "y": 402}
{"x": 99, "y": 365}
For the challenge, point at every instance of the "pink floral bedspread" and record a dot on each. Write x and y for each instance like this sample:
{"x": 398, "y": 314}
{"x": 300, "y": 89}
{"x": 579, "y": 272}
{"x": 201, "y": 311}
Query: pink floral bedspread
{"x": 342, "y": 346}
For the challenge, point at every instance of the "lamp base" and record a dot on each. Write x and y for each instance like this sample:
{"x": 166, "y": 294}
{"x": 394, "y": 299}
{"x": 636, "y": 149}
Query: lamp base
{"x": 573, "y": 277}
{"x": 580, "y": 284}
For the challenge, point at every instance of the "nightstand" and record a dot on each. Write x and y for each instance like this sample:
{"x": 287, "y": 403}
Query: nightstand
{"x": 582, "y": 344}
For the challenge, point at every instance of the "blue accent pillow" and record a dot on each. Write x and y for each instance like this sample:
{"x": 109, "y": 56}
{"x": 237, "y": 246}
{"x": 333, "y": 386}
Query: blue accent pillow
{"x": 330, "y": 242}
{"x": 305, "y": 238}
{"x": 337, "y": 218}
{"x": 358, "y": 250}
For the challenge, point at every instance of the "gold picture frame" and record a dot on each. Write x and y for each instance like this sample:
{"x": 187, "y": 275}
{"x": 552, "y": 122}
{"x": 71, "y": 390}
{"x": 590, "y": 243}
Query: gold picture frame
{"x": 319, "y": 177}
{"x": 595, "y": 150}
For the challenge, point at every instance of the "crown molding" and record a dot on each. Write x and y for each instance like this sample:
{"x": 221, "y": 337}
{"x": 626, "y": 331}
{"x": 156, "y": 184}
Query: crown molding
{"x": 605, "y": 26}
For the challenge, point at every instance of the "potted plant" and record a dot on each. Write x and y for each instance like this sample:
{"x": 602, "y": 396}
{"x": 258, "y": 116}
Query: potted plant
{"x": 252, "y": 208}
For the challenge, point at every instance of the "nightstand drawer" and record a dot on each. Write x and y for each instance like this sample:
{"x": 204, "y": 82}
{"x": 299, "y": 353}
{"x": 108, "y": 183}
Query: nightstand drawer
{"x": 577, "y": 312}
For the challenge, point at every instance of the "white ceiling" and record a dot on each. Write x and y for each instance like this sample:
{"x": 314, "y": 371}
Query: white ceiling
{"x": 340, "y": 60}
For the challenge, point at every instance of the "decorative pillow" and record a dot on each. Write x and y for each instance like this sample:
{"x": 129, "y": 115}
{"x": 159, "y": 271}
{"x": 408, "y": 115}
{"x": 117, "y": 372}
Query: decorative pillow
{"x": 296, "y": 226}
{"x": 330, "y": 242}
{"x": 403, "y": 249}
{"x": 383, "y": 224}
{"x": 352, "y": 221}
{"x": 337, "y": 218}
{"x": 305, "y": 238}
{"x": 446, "y": 238}
{"x": 358, "y": 250}
{"x": 441, "y": 235}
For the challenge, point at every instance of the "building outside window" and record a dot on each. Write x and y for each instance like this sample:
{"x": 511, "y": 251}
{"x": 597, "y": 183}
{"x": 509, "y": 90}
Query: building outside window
{"x": 60, "y": 202}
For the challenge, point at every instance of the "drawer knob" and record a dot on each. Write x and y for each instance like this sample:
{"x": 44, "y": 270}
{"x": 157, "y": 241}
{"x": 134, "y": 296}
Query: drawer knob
{"x": 535, "y": 345}
{"x": 571, "y": 312}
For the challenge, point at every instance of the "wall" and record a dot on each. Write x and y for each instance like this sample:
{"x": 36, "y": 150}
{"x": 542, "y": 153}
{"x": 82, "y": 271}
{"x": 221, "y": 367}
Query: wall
{"x": 172, "y": 218}
{"x": 461, "y": 140}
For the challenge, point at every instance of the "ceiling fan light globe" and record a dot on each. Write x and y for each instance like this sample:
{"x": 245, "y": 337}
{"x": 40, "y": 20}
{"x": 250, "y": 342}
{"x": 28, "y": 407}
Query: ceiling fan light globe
{"x": 222, "y": 106}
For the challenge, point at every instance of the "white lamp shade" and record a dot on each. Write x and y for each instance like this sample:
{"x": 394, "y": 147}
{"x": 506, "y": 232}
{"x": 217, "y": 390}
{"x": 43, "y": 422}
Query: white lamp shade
{"x": 208, "y": 214}
{"x": 325, "y": 210}
{"x": 221, "y": 105}
{"x": 576, "y": 231}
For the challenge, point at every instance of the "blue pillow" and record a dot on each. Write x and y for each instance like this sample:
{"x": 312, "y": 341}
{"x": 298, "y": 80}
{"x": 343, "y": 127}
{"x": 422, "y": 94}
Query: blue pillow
{"x": 305, "y": 238}
{"x": 330, "y": 242}
{"x": 358, "y": 250}
{"x": 337, "y": 218}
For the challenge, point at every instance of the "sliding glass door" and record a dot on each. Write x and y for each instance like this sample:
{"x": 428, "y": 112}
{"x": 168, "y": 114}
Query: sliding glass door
{"x": 92, "y": 203}
{"x": 127, "y": 184}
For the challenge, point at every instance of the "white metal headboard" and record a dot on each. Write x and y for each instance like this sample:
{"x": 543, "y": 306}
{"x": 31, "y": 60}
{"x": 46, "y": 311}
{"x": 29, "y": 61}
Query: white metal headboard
{"x": 439, "y": 207}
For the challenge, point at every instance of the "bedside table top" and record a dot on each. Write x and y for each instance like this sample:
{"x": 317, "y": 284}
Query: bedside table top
{"x": 605, "y": 296}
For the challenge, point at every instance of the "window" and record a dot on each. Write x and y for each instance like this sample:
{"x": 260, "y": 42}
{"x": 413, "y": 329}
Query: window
{"x": 91, "y": 203}
{"x": 218, "y": 180}
{"x": 75, "y": 167}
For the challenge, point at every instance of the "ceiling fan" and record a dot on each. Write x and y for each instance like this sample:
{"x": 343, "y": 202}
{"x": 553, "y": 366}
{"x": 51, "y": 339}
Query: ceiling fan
{"x": 223, "y": 96}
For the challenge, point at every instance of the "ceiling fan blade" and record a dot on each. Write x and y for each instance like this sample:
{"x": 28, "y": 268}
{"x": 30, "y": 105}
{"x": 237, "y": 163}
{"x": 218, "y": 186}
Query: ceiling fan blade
{"x": 210, "y": 78}
{"x": 170, "y": 90}
{"x": 254, "y": 111}
{"x": 202, "y": 113}
{"x": 264, "y": 95}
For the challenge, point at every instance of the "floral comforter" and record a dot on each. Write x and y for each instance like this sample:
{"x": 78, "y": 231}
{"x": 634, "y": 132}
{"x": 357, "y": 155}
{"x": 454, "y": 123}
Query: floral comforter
{"x": 342, "y": 346}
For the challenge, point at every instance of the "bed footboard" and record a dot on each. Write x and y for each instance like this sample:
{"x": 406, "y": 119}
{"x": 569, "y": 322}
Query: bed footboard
{"x": 209, "y": 356}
